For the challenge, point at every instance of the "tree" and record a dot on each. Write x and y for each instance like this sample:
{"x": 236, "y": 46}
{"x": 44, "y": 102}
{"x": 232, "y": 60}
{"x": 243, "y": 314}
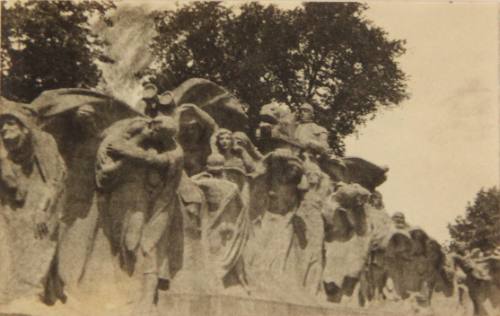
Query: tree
{"x": 480, "y": 228}
{"x": 48, "y": 45}
{"x": 324, "y": 53}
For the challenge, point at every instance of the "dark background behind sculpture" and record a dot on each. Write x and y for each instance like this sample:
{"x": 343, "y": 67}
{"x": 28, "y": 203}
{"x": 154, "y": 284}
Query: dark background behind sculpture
{"x": 328, "y": 54}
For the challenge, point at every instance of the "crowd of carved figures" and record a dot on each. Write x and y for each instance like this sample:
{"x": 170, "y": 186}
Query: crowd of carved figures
{"x": 173, "y": 196}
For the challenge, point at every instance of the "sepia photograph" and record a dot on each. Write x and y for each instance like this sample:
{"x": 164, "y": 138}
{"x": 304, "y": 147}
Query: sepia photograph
{"x": 249, "y": 158}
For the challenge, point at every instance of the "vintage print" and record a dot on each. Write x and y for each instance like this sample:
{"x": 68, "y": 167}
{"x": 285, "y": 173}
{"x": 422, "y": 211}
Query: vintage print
{"x": 249, "y": 158}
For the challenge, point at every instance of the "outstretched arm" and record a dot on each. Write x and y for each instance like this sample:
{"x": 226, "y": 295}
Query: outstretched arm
{"x": 130, "y": 150}
{"x": 202, "y": 115}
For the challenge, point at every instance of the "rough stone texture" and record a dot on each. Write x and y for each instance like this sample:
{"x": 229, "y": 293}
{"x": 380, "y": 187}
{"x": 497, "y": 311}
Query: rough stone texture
{"x": 225, "y": 230}
{"x": 77, "y": 128}
{"x": 284, "y": 250}
{"x": 30, "y": 185}
{"x": 264, "y": 242}
{"x": 203, "y": 305}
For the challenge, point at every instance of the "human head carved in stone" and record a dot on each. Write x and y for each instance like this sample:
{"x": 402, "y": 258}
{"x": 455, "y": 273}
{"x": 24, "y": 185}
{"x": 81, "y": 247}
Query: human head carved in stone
{"x": 163, "y": 128}
{"x": 285, "y": 180}
{"x": 306, "y": 113}
{"x": 14, "y": 132}
{"x": 192, "y": 131}
{"x": 399, "y": 220}
{"x": 376, "y": 200}
{"x": 223, "y": 141}
{"x": 86, "y": 118}
{"x": 215, "y": 165}
{"x": 167, "y": 103}
{"x": 353, "y": 197}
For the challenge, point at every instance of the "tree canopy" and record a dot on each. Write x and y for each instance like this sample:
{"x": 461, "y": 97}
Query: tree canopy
{"x": 327, "y": 54}
{"x": 48, "y": 45}
{"x": 480, "y": 228}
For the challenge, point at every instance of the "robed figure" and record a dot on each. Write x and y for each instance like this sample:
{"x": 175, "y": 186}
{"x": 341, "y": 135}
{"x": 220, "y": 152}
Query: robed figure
{"x": 32, "y": 174}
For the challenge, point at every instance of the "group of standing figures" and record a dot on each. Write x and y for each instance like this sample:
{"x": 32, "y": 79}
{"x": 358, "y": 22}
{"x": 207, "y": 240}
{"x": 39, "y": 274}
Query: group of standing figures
{"x": 98, "y": 197}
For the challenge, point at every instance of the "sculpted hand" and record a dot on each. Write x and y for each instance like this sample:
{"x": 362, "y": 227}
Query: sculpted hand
{"x": 238, "y": 149}
{"x": 187, "y": 106}
{"x": 120, "y": 150}
{"x": 41, "y": 218}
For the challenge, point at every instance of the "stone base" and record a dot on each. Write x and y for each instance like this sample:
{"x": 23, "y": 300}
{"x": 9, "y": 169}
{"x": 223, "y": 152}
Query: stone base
{"x": 195, "y": 305}
{"x": 211, "y": 305}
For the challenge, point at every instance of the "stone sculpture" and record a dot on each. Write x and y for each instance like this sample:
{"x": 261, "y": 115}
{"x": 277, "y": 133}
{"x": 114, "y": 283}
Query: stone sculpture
{"x": 32, "y": 175}
{"x": 237, "y": 150}
{"x": 76, "y": 119}
{"x": 309, "y": 134}
{"x": 225, "y": 231}
{"x": 196, "y": 128}
{"x": 482, "y": 280}
{"x": 348, "y": 235}
{"x": 137, "y": 155}
{"x": 177, "y": 197}
{"x": 414, "y": 262}
{"x": 285, "y": 246}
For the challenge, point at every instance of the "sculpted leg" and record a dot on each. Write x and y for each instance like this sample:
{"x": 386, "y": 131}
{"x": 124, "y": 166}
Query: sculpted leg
{"x": 134, "y": 231}
{"x": 146, "y": 305}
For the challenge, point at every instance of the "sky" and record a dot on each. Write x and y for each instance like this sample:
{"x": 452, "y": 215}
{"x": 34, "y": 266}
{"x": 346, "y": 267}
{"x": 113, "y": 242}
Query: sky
{"x": 442, "y": 144}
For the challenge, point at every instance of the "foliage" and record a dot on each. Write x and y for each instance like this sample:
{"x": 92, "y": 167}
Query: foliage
{"x": 480, "y": 228}
{"x": 324, "y": 53}
{"x": 48, "y": 45}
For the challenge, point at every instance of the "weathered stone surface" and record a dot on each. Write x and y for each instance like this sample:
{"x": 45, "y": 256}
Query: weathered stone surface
{"x": 76, "y": 118}
{"x": 280, "y": 234}
{"x": 32, "y": 176}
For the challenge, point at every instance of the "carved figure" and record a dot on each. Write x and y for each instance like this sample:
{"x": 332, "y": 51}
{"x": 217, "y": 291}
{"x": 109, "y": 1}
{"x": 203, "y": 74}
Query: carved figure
{"x": 414, "y": 262}
{"x": 32, "y": 175}
{"x": 347, "y": 239}
{"x": 141, "y": 156}
{"x": 196, "y": 128}
{"x": 285, "y": 247}
{"x": 225, "y": 231}
{"x": 76, "y": 119}
{"x": 309, "y": 134}
{"x": 237, "y": 150}
{"x": 482, "y": 281}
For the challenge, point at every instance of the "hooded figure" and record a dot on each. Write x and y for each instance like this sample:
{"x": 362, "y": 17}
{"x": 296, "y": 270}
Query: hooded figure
{"x": 284, "y": 253}
{"x": 76, "y": 119}
{"x": 31, "y": 185}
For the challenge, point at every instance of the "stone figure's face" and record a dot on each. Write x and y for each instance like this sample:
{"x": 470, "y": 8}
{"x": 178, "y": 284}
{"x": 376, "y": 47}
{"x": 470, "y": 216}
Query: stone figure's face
{"x": 399, "y": 220}
{"x": 13, "y": 133}
{"x": 273, "y": 113}
{"x": 376, "y": 200}
{"x": 86, "y": 118}
{"x": 306, "y": 114}
{"x": 284, "y": 193}
{"x": 225, "y": 141}
{"x": 191, "y": 133}
{"x": 162, "y": 128}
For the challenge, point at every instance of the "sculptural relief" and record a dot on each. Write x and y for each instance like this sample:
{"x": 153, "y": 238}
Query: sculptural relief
{"x": 32, "y": 184}
{"x": 177, "y": 200}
